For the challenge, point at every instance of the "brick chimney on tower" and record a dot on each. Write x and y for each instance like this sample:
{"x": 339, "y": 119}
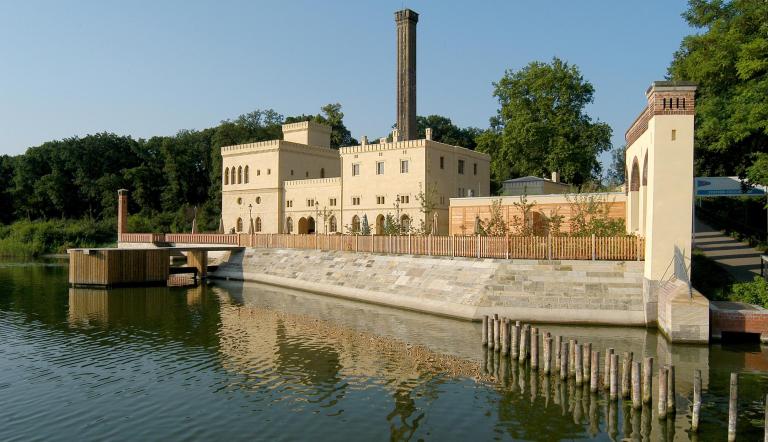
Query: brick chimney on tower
{"x": 406, "y": 73}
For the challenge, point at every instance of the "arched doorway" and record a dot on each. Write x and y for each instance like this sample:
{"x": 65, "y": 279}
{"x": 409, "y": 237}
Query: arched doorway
{"x": 380, "y": 224}
{"x": 356, "y": 224}
{"x": 239, "y": 227}
{"x": 634, "y": 197}
{"x": 258, "y": 224}
{"x": 303, "y": 228}
{"x": 332, "y": 227}
{"x": 289, "y": 225}
{"x": 643, "y": 196}
{"x": 405, "y": 224}
{"x": 310, "y": 225}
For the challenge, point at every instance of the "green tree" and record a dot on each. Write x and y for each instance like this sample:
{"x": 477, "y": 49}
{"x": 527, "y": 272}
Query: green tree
{"x": 728, "y": 59}
{"x": 541, "y": 125}
{"x": 444, "y": 131}
{"x": 331, "y": 115}
{"x": 617, "y": 172}
{"x": 758, "y": 171}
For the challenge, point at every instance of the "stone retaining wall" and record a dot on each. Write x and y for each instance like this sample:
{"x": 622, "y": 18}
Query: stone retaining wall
{"x": 596, "y": 292}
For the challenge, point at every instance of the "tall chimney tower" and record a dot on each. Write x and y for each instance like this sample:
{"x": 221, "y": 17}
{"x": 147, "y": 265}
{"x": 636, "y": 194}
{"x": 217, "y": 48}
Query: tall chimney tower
{"x": 406, "y": 73}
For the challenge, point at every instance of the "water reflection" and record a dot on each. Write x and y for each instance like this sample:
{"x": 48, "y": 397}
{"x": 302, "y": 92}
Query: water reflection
{"x": 216, "y": 359}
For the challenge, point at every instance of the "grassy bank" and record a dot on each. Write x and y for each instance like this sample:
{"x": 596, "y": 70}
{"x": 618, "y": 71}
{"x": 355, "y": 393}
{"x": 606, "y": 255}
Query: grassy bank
{"x": 718, "y": 285}
{"x": 35, "y": 238}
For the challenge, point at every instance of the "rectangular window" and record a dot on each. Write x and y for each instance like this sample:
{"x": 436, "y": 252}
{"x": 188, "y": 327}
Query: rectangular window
{"x": 474, "y": 168}
{"x": 403, "y": 166}
{"x": 355, "y": 200}
{"x": 332, "y": 202}
{"x": 380, "y": 168}
{"x": 269, "y": 172}
{"x": 310, "y": 203}
{"x": 289, "y": 203}
{"x": 442, "y": 199}
{"x": 379, "y": 200}
{"x": 355, "y": 169}
{"x": 258, "y": 172}
{"x": 674, "y": 134}
{"x": 442, "y": 162}
{"x": 461, "y": 167}
{"x": 404, "y": 199}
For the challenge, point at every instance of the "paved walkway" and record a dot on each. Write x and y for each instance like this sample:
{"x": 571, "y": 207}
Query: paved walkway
{"x": 738, "y": 258}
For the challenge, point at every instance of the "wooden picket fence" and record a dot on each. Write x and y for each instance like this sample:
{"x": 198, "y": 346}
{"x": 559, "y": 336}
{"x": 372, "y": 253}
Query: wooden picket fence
{"x": 613, "y": 248}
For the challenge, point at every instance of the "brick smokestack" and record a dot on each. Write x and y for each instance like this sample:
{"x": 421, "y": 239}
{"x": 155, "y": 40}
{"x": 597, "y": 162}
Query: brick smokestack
{"x": 406, "y": 73}
{"x": 122, "y": 212}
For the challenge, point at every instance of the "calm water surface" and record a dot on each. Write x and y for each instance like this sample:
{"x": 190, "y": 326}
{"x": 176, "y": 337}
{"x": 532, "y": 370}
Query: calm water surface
{"x": 234, "y": 361}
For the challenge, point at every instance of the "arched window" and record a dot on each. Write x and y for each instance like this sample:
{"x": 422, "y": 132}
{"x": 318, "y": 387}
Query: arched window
{"x": 322, "y": 172}
{"x": 234, "y": 175}
{"x": 634, "y": 177}
{"x": 240, "y": 175}
{"x": 289, "y": 225}
{"x": 645, "y": 170}
{"x": 246, "y": 174}
{"x": 332, "y": 225}
{"x": 226, "y": 176}
{"x": 258, "y": 224}
{"x": 356, "y": 224}
{"x": 380, "y": 224}
{"x": 239, "y": 225}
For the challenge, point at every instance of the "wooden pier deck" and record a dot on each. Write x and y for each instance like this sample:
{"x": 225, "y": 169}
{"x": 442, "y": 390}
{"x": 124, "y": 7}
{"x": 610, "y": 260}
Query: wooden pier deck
{"x": 110, "y": 267}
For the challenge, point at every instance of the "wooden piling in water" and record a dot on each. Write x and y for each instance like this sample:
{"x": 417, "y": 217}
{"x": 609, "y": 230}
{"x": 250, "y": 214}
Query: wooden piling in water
{"x": 671, "y": 408}
{"x": 490, "y": 332}
{"x": 496, "y": 335}
{"x": 558, "y": 351}
{"x": 614, "y": 377}
{"x": 696, "y": 401}
{"x": 765, "y": 424}
{"x": 626, "y": 367}
{"x": 607, "y": 370}
{"x": 579, "y": 360}
{"x": 662, "y": 393}
{"x": 572, "y": 358}
{"x": 647, "y": 379}
{"x": 485, "y": 330}
{"x": 563, "y": 361}
{"x": 586, "y": 354}
{"x": 732, "y": 407}
{"x": 636, "y": 400}
{"x": 534, "y": 348}
{"x": 594, "y": 375}
{"x": 504, "y": 337}
{"x": 523, "y": 344}
{"x": 515, "y": 338}
{"x": 547, "y": 348}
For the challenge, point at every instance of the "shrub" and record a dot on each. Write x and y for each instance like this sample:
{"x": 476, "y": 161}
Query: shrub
{"x": 753, "y": 292}
{"x": 34, "y": 238}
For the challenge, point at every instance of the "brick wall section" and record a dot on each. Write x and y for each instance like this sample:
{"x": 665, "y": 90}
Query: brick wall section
{"x": 599, "y": 292}
{"x": 747, "y": 320}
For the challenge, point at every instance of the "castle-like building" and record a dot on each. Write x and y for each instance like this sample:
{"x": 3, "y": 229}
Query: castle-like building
{"x": 301, "y": 185}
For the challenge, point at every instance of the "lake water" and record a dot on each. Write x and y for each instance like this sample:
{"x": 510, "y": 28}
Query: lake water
{"x": 235, "y": 361}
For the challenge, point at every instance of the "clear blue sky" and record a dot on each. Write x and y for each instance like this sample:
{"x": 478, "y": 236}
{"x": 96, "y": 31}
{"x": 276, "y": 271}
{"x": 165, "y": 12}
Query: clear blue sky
{"x": 146, "y": 68}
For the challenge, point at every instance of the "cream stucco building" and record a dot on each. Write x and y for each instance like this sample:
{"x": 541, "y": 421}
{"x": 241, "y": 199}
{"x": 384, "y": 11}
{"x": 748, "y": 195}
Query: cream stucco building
{"x": 301, "y": 185}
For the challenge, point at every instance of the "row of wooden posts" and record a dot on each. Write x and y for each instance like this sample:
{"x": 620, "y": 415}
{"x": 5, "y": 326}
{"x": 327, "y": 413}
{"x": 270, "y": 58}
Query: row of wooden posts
{"x": 580, "y": 362}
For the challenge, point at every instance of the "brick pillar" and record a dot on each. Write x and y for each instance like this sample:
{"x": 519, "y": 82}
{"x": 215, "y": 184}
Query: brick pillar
{"x": 122, "y": 212}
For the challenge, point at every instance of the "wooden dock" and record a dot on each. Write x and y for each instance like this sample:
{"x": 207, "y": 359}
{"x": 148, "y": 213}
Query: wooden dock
{"x": 110, "y": 267}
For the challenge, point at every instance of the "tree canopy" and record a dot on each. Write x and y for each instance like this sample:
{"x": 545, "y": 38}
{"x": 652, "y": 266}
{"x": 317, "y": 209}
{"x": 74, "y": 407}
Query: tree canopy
{"x": 168, "y": 176}
{"x": 728, "y": 59}
{"x": 444, "y": 131}
{"x": 541, "y": 125}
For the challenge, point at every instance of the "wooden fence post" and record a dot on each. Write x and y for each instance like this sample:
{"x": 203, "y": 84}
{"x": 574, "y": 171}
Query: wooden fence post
{"x": 637, "y": 248}
{"x": 549, "y": 247}
{"x": 594, "y": 249}
{"x": 507, "y": 244}
{"x": 478, "y": 246}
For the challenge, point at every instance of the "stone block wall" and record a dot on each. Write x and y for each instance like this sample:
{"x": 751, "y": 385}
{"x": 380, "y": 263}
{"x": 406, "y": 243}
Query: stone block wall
{"x": 595, "y": 292}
